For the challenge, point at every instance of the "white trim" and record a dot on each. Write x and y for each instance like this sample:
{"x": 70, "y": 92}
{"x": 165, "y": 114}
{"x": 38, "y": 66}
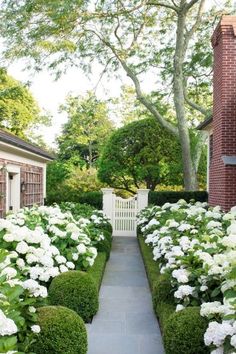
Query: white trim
{"x": 21, "y": 151}
{"x": 12, "y": 168}
{"x": 15, "y": 190}
{"x": 11, "y": 156}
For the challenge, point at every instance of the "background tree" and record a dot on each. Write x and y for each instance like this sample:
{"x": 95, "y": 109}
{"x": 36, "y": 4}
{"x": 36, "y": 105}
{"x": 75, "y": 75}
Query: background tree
{"x": 19, "y": 112}
{"x": 168, "y": 40}
{"x": 87, "y": 127}
{"x": 140, "y": 154}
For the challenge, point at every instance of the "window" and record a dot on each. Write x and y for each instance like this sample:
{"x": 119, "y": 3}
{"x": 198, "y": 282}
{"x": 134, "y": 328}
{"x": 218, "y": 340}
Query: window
{"x": 33, "y": 193}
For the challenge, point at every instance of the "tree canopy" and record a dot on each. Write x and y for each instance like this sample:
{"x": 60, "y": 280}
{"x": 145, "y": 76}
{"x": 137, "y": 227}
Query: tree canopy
{"x": 87, "y": 127}
{"x": 140, "y": 154}
{"x": 166, "y": 40}
{"x": 19, "y": 111}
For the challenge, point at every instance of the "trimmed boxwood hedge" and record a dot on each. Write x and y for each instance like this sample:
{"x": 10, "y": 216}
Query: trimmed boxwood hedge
{"x": 91, "y": 198}
{"x": 162, "y": 197}
{"x": 62, "y": 332}
{"x": 184, "y": 330}
{"x": 152, "y": 267}
{"x": 77, "y": 291}
{"x": 97, "y": 270}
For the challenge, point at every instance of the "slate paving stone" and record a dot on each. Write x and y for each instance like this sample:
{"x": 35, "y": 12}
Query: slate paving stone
{"x": 125, "y": 323}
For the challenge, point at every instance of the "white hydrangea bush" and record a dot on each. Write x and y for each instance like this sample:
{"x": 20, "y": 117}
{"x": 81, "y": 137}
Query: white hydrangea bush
{"x": 19, "y": 299}
{"x": 196, "y": 246}
{"x": 47, "y": 241}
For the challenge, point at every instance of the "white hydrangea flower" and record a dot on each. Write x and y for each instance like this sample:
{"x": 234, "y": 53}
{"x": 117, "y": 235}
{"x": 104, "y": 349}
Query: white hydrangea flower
{"x": 22, "y": 247}
{"x": 217, "y": 332}
{"x": 81, "y": 248}
{"x": 181, "y": 275}
{"x": 7, "y": 325}
{"x": 183, "y": 291}
{"x": 35, "y": 329}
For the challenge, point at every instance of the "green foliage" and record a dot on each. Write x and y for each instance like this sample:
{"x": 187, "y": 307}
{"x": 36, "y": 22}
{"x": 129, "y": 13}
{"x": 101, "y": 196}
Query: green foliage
{"x": 77, "y": 291}
{"x": 57, "y": 173}
{"x": 87, "y": 127}
{"x": 91, "y": 198}
{"x": 19, "y": 112}
{"x": 97, "y": 270}
{"x": 117, "y": 34}
{"x": 140, "y": 153}
{"x": 66, "y": 182}
{"x": 78, "y": 210}
{"x": 184, "y": 332}
{"x": 62, "y": 332}
{"x": 160, "y": 198}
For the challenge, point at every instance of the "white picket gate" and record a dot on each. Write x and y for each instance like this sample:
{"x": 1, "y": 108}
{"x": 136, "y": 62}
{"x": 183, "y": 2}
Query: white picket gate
{"x": 123, "y": 212}
{"x": 124, "y": 216}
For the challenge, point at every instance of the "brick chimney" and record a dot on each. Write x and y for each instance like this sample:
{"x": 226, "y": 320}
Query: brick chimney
{"x": 222, "y": 177}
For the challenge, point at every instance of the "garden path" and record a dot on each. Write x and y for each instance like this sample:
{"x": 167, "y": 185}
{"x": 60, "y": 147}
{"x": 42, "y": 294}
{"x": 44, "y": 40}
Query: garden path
{"x": 125, "y": 323}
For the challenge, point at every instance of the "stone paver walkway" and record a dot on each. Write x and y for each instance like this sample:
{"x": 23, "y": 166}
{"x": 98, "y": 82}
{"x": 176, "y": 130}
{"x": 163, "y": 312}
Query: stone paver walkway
{"x": 125, "y": 323}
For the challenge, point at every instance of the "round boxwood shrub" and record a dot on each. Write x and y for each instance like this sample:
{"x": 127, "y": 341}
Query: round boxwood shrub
{"x": 77, "y": 291}
{"x": 62, "y": 332}
{"x": 184, "y": 332}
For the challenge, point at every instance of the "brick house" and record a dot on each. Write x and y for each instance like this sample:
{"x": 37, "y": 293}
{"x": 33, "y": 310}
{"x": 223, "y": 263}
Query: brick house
{"x": 22, "y": 173}
{"x": 221, "y": 127}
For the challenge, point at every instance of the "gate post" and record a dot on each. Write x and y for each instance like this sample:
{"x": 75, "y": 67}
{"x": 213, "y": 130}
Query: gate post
{"x": 142, "y": 197}
{"x": 107, "y": 202}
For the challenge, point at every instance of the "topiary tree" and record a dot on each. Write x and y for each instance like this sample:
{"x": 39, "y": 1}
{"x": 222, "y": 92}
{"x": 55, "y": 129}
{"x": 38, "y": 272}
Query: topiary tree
{"x": 77, "y": 291}
{"x": 140, "y": 153}
{"x": 62, "y": 332}
{"x": 184, "y": 332}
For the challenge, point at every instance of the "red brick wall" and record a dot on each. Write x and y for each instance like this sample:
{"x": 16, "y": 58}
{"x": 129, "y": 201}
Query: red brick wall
{"x": 222, "y": 183}
{"x": 33, "y": 178}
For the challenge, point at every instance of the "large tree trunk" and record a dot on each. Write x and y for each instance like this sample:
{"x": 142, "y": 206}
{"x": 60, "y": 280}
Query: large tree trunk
{"x": 190, "y": 175}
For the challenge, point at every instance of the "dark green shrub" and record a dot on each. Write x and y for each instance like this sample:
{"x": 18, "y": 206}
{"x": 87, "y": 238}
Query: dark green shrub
{"x": 62, "y": 332}
{"x": 77, "y": 291}
{"x": 184, "y": 332}
{"x": 162, "y": 291}
{"x": 97, "y": 270}
{"x": 68, "y": 194}
{"x": 78, "y": 210}
{"x": 163, "y": 311}
{"x": 91, "y": 198}
{"x": 160, "y": 198}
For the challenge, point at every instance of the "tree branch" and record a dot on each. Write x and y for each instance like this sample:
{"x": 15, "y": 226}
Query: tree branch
{"x": 159, "y": 3}
{"x": 192, "y": 30}
{"x": 195, "y": 106}
{"x": 190, "y": 4}
{"x": 162, "y": 121}
{"x": 199, "y": 148}
{"x": 167, "y": 125}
